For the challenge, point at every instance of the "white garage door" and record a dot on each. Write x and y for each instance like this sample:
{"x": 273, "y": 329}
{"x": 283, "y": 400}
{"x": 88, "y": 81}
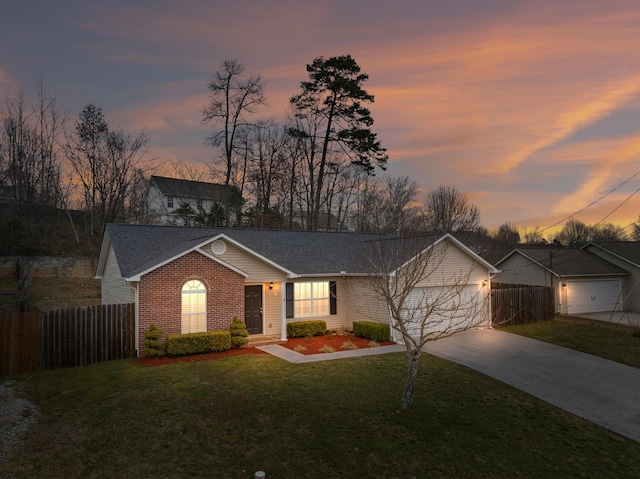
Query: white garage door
{"x": 592, "y": 296}
{"x": 442, "y": 310}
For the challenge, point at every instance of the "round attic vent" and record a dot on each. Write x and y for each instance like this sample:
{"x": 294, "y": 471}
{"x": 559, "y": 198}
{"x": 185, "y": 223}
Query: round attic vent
{"x": 218, "y": 247}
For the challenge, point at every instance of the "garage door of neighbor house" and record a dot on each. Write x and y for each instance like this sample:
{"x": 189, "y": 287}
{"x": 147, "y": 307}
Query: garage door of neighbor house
{"x": 454, "y": 311}
{"x": 592, "y": 296}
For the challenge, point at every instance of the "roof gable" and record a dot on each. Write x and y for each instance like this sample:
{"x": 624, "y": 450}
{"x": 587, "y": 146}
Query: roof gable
{"x": 628, "y": 251}
{"x": 566, "y": 261}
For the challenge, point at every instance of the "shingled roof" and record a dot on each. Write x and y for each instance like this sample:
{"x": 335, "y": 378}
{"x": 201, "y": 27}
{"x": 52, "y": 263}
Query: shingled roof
{"x": 195, "y": 189}
{"x": 139, "y": 248}
{"x": 569, "y": 261}
{"x": 626, "y": 250}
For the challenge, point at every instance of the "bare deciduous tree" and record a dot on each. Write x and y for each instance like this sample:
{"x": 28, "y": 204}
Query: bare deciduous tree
{"x": 447, "y": 210}
{"x": 106, "y": 162}
{"x": 234, "y": 98}
{"x": 635, "y": 229}
{"x": 29, "y": 159}
{"x": 574, "y": 231}
{"x": 387, "y": 206}
{"x": 533, "y": 237}
{"x": 426, "y": 300}
{"x": 507, "y": 233}
{"x": 607, "y": 232}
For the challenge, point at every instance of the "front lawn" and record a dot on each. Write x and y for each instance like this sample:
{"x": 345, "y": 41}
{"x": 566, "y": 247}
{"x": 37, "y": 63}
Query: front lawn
{"x": 599, "y": 338}
{"x": 334, "y": 419}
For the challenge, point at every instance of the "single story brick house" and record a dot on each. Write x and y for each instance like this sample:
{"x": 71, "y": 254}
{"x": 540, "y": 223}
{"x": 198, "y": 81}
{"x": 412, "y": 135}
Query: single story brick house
{"x": 583, "y": 282}
{"x": 188, "y": 279}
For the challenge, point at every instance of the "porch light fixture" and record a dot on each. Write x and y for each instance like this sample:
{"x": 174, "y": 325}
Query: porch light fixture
{"x": 485, "y": 282}
{"x": 271, "y": 285}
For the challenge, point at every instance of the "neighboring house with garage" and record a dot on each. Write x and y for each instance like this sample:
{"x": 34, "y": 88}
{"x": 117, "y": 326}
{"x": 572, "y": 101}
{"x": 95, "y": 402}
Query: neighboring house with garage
{"x": 583, "y": 282}
{"x": 187, "y": 279}
{"x": 178, "y": 202}
{"x": 626, "y": 255}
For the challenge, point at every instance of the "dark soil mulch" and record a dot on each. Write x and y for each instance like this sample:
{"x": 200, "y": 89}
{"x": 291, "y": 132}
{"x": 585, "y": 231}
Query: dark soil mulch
{"x": 148, "y": 361}
{"x": 338, "y": 342}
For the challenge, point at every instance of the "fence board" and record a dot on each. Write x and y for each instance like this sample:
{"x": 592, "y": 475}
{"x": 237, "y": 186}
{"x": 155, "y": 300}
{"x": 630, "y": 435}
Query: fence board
{"x": 19, "y": 337}
{"x": 87, "y": 335}
{"x": 521, "y": 304}
{"x": 66, "y": 337}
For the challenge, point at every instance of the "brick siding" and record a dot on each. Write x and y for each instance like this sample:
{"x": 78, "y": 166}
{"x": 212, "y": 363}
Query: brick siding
{"x": 160, "y": 294}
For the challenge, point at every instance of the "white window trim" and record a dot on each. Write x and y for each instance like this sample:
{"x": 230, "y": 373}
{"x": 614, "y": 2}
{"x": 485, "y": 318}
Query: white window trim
{"x": 313, "y": 300}
{"x": 200, "y": 325}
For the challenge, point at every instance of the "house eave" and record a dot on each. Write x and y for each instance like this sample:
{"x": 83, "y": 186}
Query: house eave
{"x": 196, "y": 248}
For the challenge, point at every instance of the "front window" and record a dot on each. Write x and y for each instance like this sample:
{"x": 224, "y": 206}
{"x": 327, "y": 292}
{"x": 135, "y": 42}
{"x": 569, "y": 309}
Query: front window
{"x": 169, "y": 201}
{"x": 311, "y": 299}
{"x": 194, "y": 307}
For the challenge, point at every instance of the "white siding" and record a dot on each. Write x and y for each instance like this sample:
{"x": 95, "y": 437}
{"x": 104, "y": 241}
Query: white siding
{"x": 115, "y": 290}
{"x": 258, "y": 270}
{"x": 272, "y": 299}
{"x": 454, "y": 266}
{"x": 520, "y": 270}
{"x": 362, "y": 304}
{"x": 444, "y": 310}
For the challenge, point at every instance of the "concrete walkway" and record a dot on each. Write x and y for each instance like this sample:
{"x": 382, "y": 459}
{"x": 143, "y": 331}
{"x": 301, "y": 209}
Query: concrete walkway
{"x": 294, "y": 357}
{"x": 602, "y": 391}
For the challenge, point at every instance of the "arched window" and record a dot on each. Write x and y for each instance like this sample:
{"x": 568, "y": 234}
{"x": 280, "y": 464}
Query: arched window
{"x": 194, "y": 307}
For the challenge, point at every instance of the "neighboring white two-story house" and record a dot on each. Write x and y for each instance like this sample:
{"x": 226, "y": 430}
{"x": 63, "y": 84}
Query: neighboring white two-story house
{"x": 185, "y": 202}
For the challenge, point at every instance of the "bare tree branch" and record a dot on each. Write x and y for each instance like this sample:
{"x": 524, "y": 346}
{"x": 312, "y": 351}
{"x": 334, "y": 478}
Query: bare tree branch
{"x": 427, "y": 294}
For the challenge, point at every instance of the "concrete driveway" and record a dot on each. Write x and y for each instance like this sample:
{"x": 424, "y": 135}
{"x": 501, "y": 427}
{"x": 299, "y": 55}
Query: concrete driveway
{"x": 602, "y": 391}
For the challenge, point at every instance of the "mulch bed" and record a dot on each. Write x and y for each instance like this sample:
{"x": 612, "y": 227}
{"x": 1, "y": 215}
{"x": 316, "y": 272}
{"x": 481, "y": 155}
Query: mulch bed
{"x": 312, "y": 346}
{"x": 148, "y": 361}
{"x": 336, "y": 341}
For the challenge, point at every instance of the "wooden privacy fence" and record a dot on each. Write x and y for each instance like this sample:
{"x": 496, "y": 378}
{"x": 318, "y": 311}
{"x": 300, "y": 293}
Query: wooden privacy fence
{"x": 66, "y": 338}
{"x": 511, "y": 305}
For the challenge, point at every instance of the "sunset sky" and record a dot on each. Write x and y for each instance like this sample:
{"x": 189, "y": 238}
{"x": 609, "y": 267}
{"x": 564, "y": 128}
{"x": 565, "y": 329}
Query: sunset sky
{"x": 532, "y": 107}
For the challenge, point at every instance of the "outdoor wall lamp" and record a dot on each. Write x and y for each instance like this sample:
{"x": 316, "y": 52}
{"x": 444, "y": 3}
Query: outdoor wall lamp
{"x": 271, "y": 285}
{"x": 485, "y": 282}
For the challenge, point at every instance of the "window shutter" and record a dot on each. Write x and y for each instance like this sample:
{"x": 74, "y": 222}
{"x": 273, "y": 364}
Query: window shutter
{"x": 289, "y": 299}
{"x": 333, "y": 299}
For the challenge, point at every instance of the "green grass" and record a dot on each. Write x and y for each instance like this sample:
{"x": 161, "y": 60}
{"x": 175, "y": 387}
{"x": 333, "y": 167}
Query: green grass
{"x": 599, "y": 338}
{"x": 54, "y": 293}
{"x": 334, "y": 419}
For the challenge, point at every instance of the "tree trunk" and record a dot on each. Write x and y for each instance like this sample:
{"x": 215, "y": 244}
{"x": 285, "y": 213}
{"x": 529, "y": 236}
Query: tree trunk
{"x": 413, "y": 357}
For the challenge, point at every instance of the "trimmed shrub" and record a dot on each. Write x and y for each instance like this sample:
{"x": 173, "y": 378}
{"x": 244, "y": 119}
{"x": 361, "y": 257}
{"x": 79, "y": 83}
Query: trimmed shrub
{"x": 239, "y": 333}
{"x": 153, "y": 342}
{"x": 302, "y": 329}
{"x": 198, "y": 343}
{"x": 378, "y": 332}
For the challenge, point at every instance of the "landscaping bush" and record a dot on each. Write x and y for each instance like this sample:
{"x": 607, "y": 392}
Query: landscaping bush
{"x": 378, "y": 332}
{"x": 153, "y": 342}
{"x": 302, "y": 329}
{"x": 239, "y": 333}
{"x": 198, "y": 343}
